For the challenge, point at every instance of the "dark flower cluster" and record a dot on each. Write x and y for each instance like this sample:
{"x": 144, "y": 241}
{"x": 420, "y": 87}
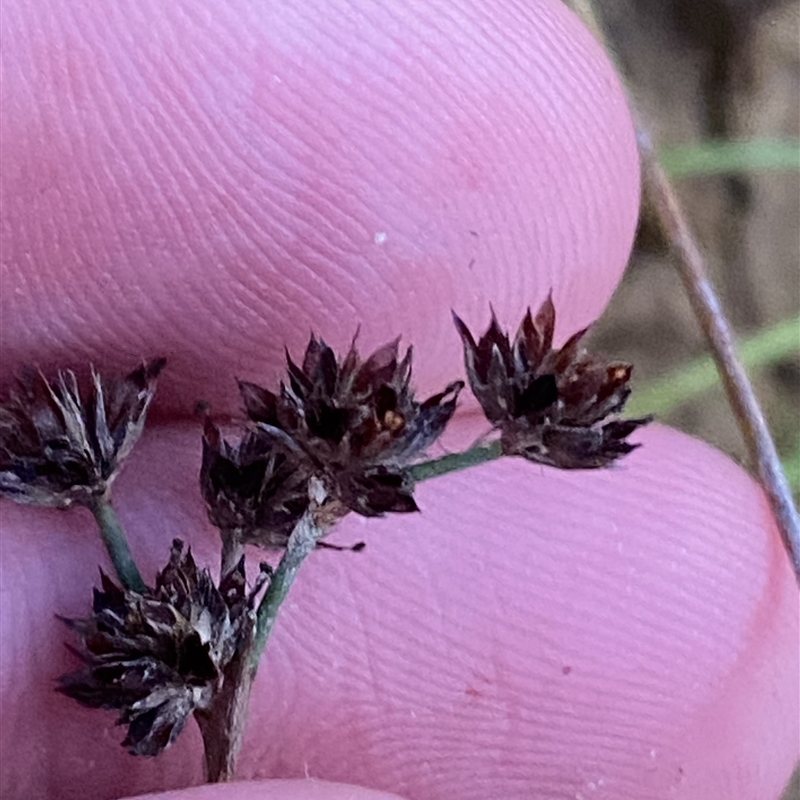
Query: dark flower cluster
{"x": 353, "y": 424}
{"x": 255, "y": 490}
{"x": 59, "y": 449}
{"x": 159, "y": 656}
{"x": 551, "y": 406}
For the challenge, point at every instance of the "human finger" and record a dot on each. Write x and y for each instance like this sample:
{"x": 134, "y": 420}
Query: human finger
{"x": 274, "y": 790}
{"x": 211, "y": 182}
{"x": 620, "y": 633}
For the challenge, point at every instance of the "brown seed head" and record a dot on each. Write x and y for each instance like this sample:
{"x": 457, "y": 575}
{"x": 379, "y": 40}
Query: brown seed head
{"x": 552, "y": 406}
{"x": 357, "y": 422}
{"x": 255, "y": 490}
{"x": 159, "y": 656}
{"x": 58, "y": 448}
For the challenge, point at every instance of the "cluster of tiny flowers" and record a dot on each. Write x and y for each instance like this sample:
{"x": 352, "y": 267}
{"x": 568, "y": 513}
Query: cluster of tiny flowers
{"x": 160, "y": 655}
{"x": 553, "y": 406}
{"x": 60, "y": 446}
{"x": 354, "y": 425}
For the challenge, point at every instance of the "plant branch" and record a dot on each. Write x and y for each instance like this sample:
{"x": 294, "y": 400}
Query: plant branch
{"x": 222, "y": 725}
{"x": 309, "y": 531}
{"x": 659, "y": 194}
{"x": 303, "y": 540}
{"x": 453, "y": 462}
{"x": 691, "y": 268}
{"x": 113, "y": 535}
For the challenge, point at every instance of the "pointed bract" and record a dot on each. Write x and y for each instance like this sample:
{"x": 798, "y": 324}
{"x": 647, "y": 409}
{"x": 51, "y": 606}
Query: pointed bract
{"x": 551, "y": 406}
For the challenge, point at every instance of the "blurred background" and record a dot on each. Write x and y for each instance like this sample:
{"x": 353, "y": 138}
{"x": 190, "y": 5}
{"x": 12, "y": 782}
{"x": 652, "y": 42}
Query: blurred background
{"x": 718, "y": 82}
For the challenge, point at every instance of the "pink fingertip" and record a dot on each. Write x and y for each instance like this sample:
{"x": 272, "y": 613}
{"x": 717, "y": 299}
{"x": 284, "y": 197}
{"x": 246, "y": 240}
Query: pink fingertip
{"x": 308, "y": 789}
{"x": 215, "y": 181}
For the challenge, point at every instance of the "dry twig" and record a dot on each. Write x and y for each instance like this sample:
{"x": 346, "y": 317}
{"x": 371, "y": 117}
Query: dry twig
{"x": 660, "y": 196}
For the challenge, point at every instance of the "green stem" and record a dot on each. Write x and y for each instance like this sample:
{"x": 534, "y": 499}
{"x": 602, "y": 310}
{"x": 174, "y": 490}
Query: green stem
{"x": 456, "y": 461}
{"x": 113, "y": 536}
{"x": 302, "y": 541}
{"x": 222, "y": 729}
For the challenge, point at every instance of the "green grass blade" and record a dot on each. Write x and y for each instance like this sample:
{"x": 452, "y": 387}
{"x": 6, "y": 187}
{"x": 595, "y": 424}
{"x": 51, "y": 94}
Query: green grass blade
{"x": 791, "y": 466}
{"x": 715, "y": 158}
{"x": 672, "y": 391}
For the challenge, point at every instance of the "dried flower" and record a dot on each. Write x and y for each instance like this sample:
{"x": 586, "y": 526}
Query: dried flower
{"x": 356, "y": 421}
{"x": 57, "y": 449}
{"x": 551, "y": 406}
{"x": 255, "y": 490}
{"x": 160, "y": 655}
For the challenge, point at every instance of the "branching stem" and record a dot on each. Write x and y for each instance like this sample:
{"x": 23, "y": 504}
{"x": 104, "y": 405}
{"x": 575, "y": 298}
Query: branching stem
{"x": 453, "y": 462}
{"x": 223, "y": 726}
{"x": 303, "y": 540}
{"x": 308, "y": 532}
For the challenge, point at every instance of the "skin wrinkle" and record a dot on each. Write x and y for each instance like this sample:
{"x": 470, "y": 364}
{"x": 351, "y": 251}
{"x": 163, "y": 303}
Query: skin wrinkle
{"x": 306, "y": 298}
{"x": 358, "y": 622}
{"x": 111, "y": 326}
{"x": 77, "y": 43}
{"x": 767, "y": 626}
{"x": 91, "y": 177}
{"x": 188, "y": 239}
{"x": 324, "y": 256}
{"x": 177, "y": 220}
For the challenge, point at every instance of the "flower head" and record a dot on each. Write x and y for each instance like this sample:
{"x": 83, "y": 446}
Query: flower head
{"x": 159, "y": 656}
{"x": 256, "y": 489}
{"x": 357, "y": 422}
{"x": 552, "y": 406}
{"x": 57, "y": 448}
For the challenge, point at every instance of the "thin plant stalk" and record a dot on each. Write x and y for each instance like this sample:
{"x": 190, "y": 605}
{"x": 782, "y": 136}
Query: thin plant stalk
{"x": 113, "y": 535}
{"x": 741, "y": 396}
{"x": 222, "y": 726}
{"x": 660, "y": 196}
{"x": 308, "y": 532}
{"x": 453, "y": 462}
{"x": 303, "y": 540}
